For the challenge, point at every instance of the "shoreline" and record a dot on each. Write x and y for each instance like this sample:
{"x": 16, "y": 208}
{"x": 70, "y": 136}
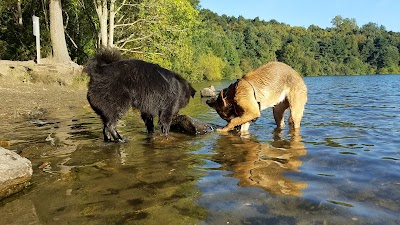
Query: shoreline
{"x": 27, "y": 88}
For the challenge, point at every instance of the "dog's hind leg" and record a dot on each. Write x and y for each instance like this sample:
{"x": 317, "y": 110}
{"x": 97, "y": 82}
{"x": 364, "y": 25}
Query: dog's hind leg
{"x": 148, "y": 121}
{"x": 296, "y": 105}
{"x": 279, "y": 111}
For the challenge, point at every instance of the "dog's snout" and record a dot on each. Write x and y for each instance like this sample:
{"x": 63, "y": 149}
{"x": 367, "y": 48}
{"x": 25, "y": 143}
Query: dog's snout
{"x": 211, "y": 101}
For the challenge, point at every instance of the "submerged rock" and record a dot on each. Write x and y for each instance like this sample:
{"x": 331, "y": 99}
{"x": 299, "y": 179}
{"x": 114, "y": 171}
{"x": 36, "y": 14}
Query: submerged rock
{"x": 189, "y": 125}
{"x": 19, "y": 211}
{"x": 207, "y": 92}
{"x": 15, "y": 172}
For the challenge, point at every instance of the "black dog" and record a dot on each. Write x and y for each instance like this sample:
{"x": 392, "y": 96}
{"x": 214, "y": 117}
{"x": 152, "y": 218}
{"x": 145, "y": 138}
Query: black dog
{"x": 116, "y": 85}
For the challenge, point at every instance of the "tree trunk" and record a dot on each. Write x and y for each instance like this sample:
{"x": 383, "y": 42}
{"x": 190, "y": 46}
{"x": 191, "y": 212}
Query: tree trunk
{"x": 102, "y": 13}
{"x": 57, "y": 35}
{"x": 19, "y": 12}
{"x": 111, "y": 24}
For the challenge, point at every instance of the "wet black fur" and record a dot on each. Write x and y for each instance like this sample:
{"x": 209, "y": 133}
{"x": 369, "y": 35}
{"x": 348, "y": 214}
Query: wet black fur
{"x": 116, "y": 85}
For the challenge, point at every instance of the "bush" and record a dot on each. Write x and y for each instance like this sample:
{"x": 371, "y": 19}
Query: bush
{"x": 209, "y": 67}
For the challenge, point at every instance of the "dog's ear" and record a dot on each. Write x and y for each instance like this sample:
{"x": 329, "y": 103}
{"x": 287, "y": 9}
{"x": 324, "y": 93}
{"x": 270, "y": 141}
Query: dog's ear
{"x": 224, "y": 99}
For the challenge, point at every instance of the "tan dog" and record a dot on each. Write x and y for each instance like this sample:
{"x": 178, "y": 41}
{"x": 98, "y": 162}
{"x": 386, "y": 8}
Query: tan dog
{"x": 274, "y": 84}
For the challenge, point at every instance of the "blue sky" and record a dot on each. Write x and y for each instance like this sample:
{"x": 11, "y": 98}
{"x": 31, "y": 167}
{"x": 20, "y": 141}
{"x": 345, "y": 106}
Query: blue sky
{"x": 307, "y": 12}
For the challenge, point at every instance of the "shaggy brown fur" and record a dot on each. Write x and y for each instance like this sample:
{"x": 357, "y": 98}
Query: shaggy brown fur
{"x": 116, "y": 85}
{"x": 274, "y": 84}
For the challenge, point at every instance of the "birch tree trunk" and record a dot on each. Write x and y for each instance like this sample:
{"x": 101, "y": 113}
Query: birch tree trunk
{"x": 102, "y": 13}
{"x": 111, "y": 24}
{"x": 19, "y": 12}
{"x": 57, "y": 35}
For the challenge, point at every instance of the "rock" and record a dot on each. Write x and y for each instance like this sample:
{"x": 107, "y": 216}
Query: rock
{"x": 189, "y": 125}
{"x": 47, "y": 72}
{"x": 4, "y": 143}
{"x": 15, "y": 172}
{"x": 207, "y": 92}
{"x": 19, "y": 211}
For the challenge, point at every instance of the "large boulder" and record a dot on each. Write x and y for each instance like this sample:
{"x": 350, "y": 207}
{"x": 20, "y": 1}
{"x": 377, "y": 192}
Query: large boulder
{"x": 207, "y": 92}
{"x": 189, "y": 125}
{"x": 15, "y": 172}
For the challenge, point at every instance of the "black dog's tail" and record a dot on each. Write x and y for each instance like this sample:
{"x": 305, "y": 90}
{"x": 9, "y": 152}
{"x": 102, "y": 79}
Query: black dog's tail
{"x": 102, "y": 57}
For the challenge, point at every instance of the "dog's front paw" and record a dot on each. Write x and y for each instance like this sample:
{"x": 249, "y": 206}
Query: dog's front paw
{"x": 222, "y": 130}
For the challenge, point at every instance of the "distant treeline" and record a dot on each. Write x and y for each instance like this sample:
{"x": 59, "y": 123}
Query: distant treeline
{"x": 200, "y": 44}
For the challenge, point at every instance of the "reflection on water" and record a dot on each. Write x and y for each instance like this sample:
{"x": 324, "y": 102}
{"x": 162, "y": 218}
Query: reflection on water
{"x": 343, "y": 167}
{"x": 147, "y": 180}
{"x": 263, "y": 165}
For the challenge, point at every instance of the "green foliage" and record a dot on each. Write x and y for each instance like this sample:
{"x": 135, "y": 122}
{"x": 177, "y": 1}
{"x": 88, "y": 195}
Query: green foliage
{"x": 81, "y": 35}
{"x": 16, "y": 41}
{"x": 162, "y": 34}
{"x": 200, "y": 44}
{"x": 208, "y": 67}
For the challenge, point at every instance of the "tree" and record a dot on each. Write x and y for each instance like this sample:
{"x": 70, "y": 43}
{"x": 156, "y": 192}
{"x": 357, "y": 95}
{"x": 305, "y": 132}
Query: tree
{"x": 345, "y": 25}
{"x": 60, "y": 51}
{"x": 387, "y": 55}
{"x": 102, "y": 13}
{"x": 19, "y": 12}
{"x": 209, "y": 67}
{"x": 195, "y": 3}
{"x": 178, "y": 35}
{"x": 292, "y": 54}
{"x": 164, "y": 34}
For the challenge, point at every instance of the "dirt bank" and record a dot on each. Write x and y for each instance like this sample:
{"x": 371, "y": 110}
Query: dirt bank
{"x": 28, "y": 89}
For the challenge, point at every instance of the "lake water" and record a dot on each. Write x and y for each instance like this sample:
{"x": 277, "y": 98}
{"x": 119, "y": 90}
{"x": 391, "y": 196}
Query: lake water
{"x": 343, "y": 167}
